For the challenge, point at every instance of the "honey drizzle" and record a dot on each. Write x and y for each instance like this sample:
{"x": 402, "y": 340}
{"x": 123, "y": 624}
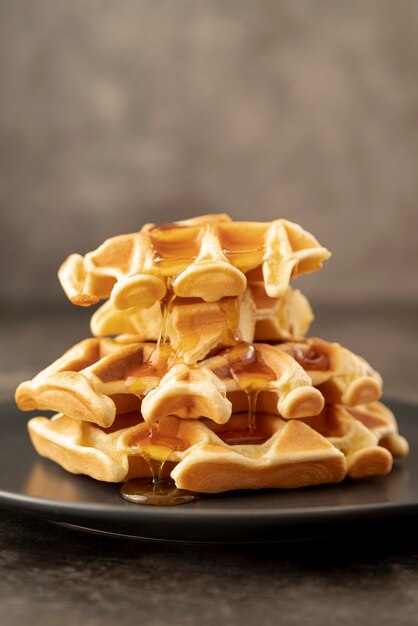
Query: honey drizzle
{"x": 250, "y": 374}
{"x": 230, "y": 307}
{"x": 252, "y": 404}
{"x": 166, "y": 307}
{"x": 140, "y": 379}
{"x": 174, "y": 253}
{"x": 252, "y": 390}
{"x": 155, "y": 438}
{"x": 156, "y": 490}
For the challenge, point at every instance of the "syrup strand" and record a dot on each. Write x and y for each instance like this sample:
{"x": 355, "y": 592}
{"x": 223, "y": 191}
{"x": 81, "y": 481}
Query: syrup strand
{"x": 156, "y": 468}
{"x": 166, "y": 305}
{"x": 252, "y": 415}
{"x": 157, "y": 491}
{"x": 231, "y": 311}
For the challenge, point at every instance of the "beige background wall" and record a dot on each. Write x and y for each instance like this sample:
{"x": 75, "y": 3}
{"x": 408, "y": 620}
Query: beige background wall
{"x": 114, "y": 113}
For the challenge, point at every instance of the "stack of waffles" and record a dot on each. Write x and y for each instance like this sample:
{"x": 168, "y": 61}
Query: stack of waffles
{"x": 199, "y": 368}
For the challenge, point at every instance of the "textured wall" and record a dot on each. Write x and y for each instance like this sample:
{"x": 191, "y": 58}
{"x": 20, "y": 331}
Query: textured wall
{"x": 118, "y": 112}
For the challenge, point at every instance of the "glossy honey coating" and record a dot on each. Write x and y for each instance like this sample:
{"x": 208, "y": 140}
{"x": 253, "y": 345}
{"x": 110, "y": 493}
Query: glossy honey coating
{"x": 84, "y": 381}
{"x": 196, "y": 328}
{"x": 293, "y": 455}
{"x": 208, "y": 257}
{"x": 342, "y": 376}
{"x": 208, "y": 377}
{"x": 355, "y": 442}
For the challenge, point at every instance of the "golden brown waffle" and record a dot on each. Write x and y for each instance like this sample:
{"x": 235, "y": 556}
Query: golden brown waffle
{"x": 382, "y": 423}
{"x": 82, "y": 447}
{"x": 367, "y": 435}
{"x": 280, "y": 319}
{"x": 209, "y": 373}
{"x": 87, "y": 379}
{"x": 210, "y": 257}
{"x": 342, "y": 376}
{"x": 195, "y": 328}
{"x": 293, "y": 454}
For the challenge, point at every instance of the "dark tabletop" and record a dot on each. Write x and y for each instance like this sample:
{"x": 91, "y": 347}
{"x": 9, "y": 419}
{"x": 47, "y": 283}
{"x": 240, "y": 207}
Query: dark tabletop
{"x": 52, "y": 574}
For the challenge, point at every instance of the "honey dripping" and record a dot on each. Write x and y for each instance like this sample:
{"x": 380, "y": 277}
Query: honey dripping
{"x": 252, "y": 376}
{"x": 166, "y": 306}
{"x": 155, "y": 447}
{"x": 142, "y": 377}
{"x": 157, "y": 490}
{"x": 173, "y": 252}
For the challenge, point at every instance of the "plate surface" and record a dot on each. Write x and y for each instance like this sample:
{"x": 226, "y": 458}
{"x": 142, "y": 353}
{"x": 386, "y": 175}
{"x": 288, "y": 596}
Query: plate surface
{"x": 39, "y": 487}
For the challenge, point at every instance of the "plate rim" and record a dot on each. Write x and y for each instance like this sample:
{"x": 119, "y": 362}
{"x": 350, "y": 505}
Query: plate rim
{"x": 84, "y": 512}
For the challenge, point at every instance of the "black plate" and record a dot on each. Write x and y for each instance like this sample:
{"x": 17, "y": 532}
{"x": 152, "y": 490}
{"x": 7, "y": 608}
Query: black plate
{"x": 37, "y": 486}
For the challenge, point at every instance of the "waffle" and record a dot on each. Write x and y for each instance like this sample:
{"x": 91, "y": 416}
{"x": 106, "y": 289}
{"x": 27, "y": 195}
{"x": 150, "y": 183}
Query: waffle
{"x": 90, "y": 379}
{"x": 208, "y": 377}
{"x": 280, "y": 319}
{"x": 294, "y": 455}
{"x": 210, "y": 257}
{"x": 342, "y": 376}
{"x": 195, "y": 328}
{"x": 323, "y": 449}
{"x": 367, "y": 435}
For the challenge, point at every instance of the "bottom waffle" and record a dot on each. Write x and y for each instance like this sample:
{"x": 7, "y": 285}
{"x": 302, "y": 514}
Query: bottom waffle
{"x": 209, "y": 458}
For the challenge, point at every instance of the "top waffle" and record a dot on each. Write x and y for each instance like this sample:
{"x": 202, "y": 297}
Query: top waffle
{"x": 208, "y": 257}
